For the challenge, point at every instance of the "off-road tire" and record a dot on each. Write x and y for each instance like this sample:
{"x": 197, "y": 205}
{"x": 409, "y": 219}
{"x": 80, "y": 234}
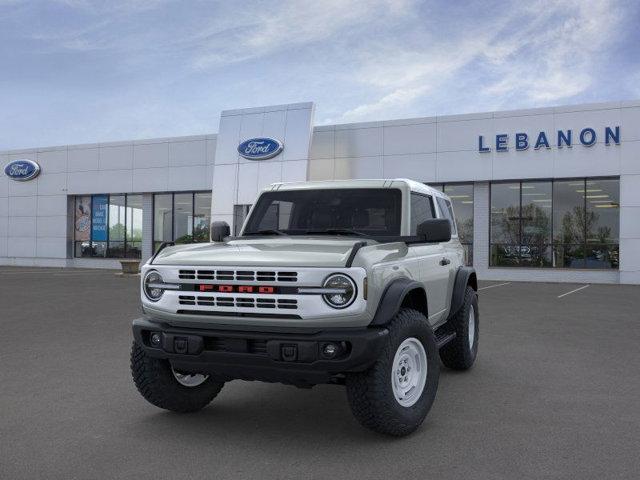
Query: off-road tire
{"x": 370, "y": 393}
{"x": 458, "y": 354}
{"x": 156, "y": 383}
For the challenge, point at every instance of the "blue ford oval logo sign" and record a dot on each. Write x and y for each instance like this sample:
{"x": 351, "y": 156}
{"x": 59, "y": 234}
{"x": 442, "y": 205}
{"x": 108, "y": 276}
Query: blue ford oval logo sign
{"x": 260, "y": 148}
{"x": 22, "y": 170}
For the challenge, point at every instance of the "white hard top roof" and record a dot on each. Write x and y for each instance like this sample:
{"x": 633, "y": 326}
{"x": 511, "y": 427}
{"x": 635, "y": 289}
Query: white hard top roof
{"x": 357, "y": 183}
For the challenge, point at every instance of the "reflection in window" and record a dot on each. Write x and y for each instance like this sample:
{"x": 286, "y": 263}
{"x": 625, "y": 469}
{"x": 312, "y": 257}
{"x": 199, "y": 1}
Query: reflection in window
{"x": 117, "y": 218}
{"x": 240, "y": 213}
{"x": 564, "y": 224}
{"x": 162, "y": 219}
{"x": 461, "y": 195}
{"x": 201, "y": 217}
{"x": 181, "y": 217}
{"x": 568, "y": 223}
{"x": 134, "y": 226}
{"x": 421, "y": 210}
{"x": 108, "y": 226}
{"x": 535, "y": 242}
{"x": 505, "y": 224}
{"x": 447, "y": 211}
{"x": 82, "y": 226}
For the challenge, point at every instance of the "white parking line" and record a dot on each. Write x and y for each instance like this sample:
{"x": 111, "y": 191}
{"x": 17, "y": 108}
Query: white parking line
{"x": 494, "y": 285}
{"x": 573, "y": 291}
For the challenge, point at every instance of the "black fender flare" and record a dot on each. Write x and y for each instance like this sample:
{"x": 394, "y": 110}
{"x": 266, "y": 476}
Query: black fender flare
{"x": 464, "y": 276}
{"x": 392, "y": 298}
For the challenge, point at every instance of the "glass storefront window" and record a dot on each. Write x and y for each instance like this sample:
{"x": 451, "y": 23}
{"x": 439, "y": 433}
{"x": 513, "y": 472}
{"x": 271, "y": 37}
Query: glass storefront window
{"x": 117, "y": 220}
{"x": 108, "y": 226}
{"x": 182, "y": 217}
{"x": 201, "y": 216}
{"x": 505, "y": 224}
{"x": 461, "y": 195}
{"x": 568, "y": 223}
{"x": 162, "y": 219}
{"x": 562, "y": 224}
{"x": 82, "y": 226}
{"x": 603, "y": 223}
{"x": 134, "y": 226}
{"x": 535, "y": 243}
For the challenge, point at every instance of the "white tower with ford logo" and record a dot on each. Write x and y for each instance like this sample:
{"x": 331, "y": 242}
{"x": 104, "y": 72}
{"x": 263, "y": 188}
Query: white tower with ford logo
{"x": 257, "y": 147}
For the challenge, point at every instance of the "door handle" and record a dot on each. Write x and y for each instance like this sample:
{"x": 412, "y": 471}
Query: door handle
{"x": 445, "y": 261}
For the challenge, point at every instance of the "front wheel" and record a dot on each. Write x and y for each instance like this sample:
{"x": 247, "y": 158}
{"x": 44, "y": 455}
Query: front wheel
{"x": 394, "y": 396}
{"x": 164, "y": 387}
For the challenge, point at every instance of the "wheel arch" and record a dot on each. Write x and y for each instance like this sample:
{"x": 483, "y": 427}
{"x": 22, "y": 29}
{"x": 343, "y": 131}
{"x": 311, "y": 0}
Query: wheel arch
{"x": 401, "y": 292}
{"x": 465, "y": 276}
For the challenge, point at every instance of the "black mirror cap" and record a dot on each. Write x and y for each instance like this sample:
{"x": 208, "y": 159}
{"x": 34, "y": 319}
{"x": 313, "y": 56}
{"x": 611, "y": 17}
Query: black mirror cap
{"x": 219, "y": 231}
{"x": 435, "y": 230}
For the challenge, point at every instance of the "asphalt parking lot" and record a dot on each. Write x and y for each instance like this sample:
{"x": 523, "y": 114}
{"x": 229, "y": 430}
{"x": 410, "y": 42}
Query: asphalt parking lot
{"x": 554, "y": 394}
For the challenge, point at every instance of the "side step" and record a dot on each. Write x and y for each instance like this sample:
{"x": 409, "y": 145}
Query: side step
{"x": 442, "y": 338}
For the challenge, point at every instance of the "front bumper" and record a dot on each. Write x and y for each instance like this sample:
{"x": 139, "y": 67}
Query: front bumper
{"x": 293, "y": 356}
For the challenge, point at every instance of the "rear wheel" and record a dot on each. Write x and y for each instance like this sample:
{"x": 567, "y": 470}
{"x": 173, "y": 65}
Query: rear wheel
{"x": 394, "y": 396}
{"x": 461, "y": 352}
{"x": 164, "y": 387}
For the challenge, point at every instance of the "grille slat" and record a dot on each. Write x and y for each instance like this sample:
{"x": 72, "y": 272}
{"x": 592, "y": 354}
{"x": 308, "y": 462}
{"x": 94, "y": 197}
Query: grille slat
{"x": 239, "y": 302}
{"x": 238, "y": 275}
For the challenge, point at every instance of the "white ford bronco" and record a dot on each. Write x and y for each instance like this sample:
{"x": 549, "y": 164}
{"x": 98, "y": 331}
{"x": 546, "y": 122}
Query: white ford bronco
{"x": 359, "y": 283}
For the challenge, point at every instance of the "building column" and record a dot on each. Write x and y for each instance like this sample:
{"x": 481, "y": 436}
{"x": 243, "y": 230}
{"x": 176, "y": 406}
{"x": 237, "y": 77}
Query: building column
{"x": 629, "y": 229}
{"x": 147, "y": 227}
{"x": 481, "y": 217}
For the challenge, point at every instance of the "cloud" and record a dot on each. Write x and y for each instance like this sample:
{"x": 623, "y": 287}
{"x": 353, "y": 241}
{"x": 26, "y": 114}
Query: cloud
{"x": 259, "y": 32}
{"x": 125, "y": 69}
{"x": 555, "y": 63}
{"x": 541, "y": 53}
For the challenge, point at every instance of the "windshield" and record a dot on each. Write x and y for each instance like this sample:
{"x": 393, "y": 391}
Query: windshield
{"x": 361, "y": 211}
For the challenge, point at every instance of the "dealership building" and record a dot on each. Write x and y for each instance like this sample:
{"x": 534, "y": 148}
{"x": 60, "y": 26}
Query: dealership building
{"x": 547, "y": 194}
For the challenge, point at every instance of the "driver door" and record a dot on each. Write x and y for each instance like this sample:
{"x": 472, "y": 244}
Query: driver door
{"x": 434, "y": 271}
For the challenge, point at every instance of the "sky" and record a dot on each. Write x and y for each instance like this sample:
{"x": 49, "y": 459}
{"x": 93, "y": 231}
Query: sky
{"x": 80, "y": 71}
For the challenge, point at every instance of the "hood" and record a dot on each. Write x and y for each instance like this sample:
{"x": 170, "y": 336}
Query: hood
{"x": 272, "y": 251}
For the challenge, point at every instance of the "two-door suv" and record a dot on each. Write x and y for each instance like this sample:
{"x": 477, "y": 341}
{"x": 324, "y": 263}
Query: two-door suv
{"x": 359, "y": 283}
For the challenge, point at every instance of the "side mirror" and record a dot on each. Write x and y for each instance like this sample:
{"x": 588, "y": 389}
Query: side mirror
{"x": 435, "y": 230}
{"x": 219, "y": 230}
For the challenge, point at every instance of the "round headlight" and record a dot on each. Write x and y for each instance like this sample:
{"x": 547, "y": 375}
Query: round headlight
{"x": 342, "y": 291}
{"x": 151, "y": 291}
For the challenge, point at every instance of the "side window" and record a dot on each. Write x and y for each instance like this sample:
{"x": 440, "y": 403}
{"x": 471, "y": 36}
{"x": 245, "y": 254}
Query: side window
{"x": 447, "y": 211}
{"x": 421, "y": 210}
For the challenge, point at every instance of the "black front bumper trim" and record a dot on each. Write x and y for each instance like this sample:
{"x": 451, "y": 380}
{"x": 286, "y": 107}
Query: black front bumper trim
{"x": 287, "y": 356}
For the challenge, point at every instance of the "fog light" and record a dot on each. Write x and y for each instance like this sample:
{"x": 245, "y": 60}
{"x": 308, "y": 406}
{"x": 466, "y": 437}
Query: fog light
{"x": 330, "y": 350}
{"x": 156, "y": 339}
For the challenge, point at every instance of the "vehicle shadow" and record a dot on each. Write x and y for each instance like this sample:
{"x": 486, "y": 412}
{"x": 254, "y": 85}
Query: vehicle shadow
{"x": 267, "y": 411}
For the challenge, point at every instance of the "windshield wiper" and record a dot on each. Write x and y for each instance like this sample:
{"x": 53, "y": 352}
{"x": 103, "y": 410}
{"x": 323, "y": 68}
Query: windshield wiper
{"x": 336, "y": 231}
{"x": 266, "y": 232}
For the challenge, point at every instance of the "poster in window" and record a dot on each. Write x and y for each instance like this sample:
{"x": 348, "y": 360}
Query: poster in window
{"x": 99, "y": 218}
{"x": 83, "y": 219}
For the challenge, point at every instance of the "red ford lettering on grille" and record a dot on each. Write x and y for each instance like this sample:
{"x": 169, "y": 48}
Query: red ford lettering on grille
{"x": 236, "y": 288}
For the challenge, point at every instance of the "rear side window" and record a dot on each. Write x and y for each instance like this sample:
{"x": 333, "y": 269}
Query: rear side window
{"x": 447, "y": 211}
{"x": 421, "y": 210}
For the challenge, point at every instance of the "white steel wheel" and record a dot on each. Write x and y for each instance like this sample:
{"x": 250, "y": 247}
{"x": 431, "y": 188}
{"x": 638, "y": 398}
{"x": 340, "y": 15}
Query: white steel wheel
{"x": 189, "y": 379}
{"x": 472, "y": 327}
{"x": 409, "y": 372}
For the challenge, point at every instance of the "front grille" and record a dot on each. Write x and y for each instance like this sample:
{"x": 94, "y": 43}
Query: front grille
{"x": 238, "y": 275}
{"x": 239, "y": 302}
